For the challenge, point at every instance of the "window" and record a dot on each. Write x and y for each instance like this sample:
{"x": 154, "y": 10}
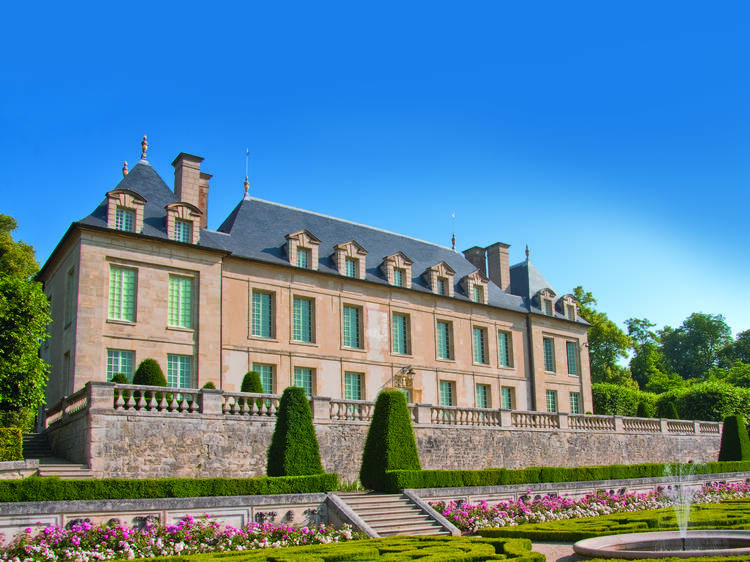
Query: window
{"x": 125, "y": 219}
{"x": 353, "y": 327}
{"x": 444, "y": 340}
{"x": 503, "y": 349}
{"x": 303, "y": 377}
{"x": 352, "y": 267}
{"x": 570, "y": 312}
{"x": 120, "y": 361}
{"x": 442, "y": 286}
{"x": 266, "y": 376}
{"x": 575, "y": 403}
{"x": 480, "y": 345}
{"x": 121, "y": 294}
{"x": 447, "y": 393}
{"x": 353, "y": 386}
{"x": 303, "y": 258}
{"x": 483, "y": 396}
{"x": 180, "y": 314}
{"x": 508, "y": 398}
{"x": 183, "y": 231}
{"x": 262, "y": 313}
{"x": 547, "y": 303}
{"x": 70, "y": 296}
{"x": 477, "y": 293}
{"x": 552, "y": 401}
{"x": 400, "y": 333}
{"x": 180, "y": 371}
{"x": 406, "y": 392}
{"x": 398, "y": 277}
{"x": 302, "y": 320}
{"x": 572, "y": 349}
{"x": 549, "y": 355}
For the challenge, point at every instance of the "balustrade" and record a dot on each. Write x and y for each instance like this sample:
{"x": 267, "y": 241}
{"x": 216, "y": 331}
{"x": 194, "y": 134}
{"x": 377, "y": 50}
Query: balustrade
{"x": 674, "y": 426}
{"x": 535, "y": 420}
{"x": 351, "y": 410}
{"x": 641, "y": 425}
{"x": 249, "y": 404}
{"x": 142, "y": 398}
{"x": 592, "y": 423}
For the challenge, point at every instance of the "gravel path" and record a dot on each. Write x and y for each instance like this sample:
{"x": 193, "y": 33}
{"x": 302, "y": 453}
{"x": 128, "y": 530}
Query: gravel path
{"x": 557, "y": 551}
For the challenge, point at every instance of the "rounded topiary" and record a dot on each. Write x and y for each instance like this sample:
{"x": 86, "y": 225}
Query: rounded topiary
{"x": 294, "y": 447}
{"x": 210, "y": 385}
{"x": 120, "y": 378}
{"x": 735, "y": 443}
{"x": 251, "y": 382}
{"x": 149, "y": 373}
{"x": 390, "y": 443}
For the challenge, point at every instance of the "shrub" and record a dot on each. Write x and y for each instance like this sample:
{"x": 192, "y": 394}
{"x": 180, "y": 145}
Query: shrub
{"x": 210, "y": 385}
{"x": 667, "y": 410}
{"x": 120, "y": 378}
{"x": 11, "y": 444}
{"x": 613, "y": 399}
{"x": 735, "y": 444}
{"x": 294, "y": 448}
{"x": 149, "y": 373}
{"x": 390, "y": 443}
{"x": 251, "y": 382}
{"x": 643, "y": 410}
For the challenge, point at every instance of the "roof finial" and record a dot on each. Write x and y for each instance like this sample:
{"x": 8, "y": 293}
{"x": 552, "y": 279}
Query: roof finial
{"x": 527, "y": 252}
{"x": 453, "y": 237}
{"x": 453, "y": 242}
{"x": 247, "y": 183}
{"x": 144, "y": 147}
{"x": 125, "y": 168}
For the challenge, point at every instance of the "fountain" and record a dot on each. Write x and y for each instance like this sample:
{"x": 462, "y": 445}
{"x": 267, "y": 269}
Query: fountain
{"x": 675, "y": 544}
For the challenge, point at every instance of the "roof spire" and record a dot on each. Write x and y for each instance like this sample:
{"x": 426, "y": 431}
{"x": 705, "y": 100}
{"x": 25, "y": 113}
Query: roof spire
{"x": 527, "y": 252}
{"x": 144, "y": 147}
{"x": 247, "y": 183}
{"x": 125, "y": 168}
{"x": 453, "y": 237}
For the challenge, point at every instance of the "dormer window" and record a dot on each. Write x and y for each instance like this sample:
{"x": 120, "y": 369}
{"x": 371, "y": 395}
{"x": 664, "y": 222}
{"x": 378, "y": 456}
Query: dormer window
{"x": 567, "y": 306}
{"x": 439, "y": 278}
{"x": 302, "y": 249}
{"x": 475, "y": 287}
{"x": 397, "y": 270}
{"x": 125, "y": 210}
{"x": 477, "y": 293}
{"x": 544, "y": 299}
{"x": 442, "y": 286}
{"x": 183, "y": 222}
{"x": 349, "y": 259}
{"x": 547, "y": 304}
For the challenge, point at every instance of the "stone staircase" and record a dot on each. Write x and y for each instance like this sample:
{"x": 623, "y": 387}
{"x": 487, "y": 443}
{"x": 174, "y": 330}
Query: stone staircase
{"x": 36, "y": 446}
{"x": 392, "y": 514}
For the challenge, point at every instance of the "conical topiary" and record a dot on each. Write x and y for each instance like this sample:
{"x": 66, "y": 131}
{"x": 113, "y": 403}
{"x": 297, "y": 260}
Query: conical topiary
{"x": 390, "y": 443}
{"x": 294, "y": 447}
{"x": 735, "y": 443}
{"x": 642, "y": 411}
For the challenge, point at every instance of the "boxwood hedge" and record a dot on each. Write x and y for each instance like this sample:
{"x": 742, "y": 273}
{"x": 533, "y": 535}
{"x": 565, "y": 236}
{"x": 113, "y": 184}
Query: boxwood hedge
{"x": 11, "y": 444}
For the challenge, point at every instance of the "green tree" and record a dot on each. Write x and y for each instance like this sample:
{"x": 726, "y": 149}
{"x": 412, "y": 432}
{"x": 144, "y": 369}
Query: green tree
{"x": 294, "y": 447}
{"x": 693, "y": 349}
{"x": 738, "y": 350}
{"x": 608, "y": 344}
{"x": 24, "y": 316}
{"x": 738, "y": 374}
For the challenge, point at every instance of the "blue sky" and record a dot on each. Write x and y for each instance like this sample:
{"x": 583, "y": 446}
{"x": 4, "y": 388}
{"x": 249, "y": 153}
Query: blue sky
{"x": 613, "y": 139}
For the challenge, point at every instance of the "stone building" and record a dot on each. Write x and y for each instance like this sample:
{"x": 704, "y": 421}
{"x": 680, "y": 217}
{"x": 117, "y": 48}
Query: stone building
{"x": 336, "y": 307}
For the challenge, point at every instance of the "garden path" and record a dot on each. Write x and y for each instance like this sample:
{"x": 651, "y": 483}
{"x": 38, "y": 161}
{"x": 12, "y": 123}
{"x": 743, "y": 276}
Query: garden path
{"x": 557, "y": 551}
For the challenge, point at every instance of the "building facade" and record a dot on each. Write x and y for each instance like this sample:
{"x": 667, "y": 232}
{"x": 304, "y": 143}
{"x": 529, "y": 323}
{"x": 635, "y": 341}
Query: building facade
{"x": 341, "y": 309}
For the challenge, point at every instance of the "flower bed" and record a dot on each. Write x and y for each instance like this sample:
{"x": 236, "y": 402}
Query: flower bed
{"x": 470, "y": 518}
{"x": 85, "y": 541}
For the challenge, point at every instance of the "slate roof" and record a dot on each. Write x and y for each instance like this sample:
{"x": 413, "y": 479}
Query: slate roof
{"x": 256, "y": 229}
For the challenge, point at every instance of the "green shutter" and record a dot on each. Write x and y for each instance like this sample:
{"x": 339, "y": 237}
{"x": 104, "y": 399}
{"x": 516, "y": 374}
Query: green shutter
{"x": 480, "y": 347}
{"x": 262, "y": 314}
{"x": 400, "y": 334}
{"x": 503, "y": 348}
{"x": 180, "y": 312}
{"x": 443, "y": 340}
{"x": 121, "y": 294}
{"x": 352, "y": 336}
{"x": 549, "y": 355}
{"x": 302, "y": 320}
{"x": 572, "y": 358}
{"x": 507, "y": 393}
{"x": 483, "y": 398}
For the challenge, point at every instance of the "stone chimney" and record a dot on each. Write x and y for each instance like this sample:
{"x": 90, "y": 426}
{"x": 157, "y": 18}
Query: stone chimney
{"x": 498, "y": 263}
{"x": 478, "y": 258}
{"x": 190, "y": 184}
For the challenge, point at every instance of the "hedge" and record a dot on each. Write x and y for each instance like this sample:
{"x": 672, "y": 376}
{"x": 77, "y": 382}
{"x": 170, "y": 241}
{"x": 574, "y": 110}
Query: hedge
{"x": 35, "y": 489}
{"x": 11, "y": 444}
{"x": 397, "y": 480}
{"x": 294, "y": 447}
{"x": 735, "y": 444}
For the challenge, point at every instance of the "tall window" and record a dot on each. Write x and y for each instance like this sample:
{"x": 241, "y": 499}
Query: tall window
{"x": 180, "y": 312}
{"x": 266, "y": 376}
{"x": 552, "y": 401}
{"x": 125, "y": 219}
{"x": 570, "y": 312}
{"x": 442, "y": 286}
{"x": 180, "y": 371}
{"x": 304, "y": 257}
{"x": 480, "y": 345}
{"x": 303, "y": 377}
{"x": 400, "y": 333}
{"x": 352, "y": 269}
{"x": 120, "y": 361}
{"x": 70, "y": 295}
{"x": 575, "y": 403}
{"x": 483, "y": 396}
{"x": 302, "y": 320}
{"x": 444, "y": 340}
{"x": 398, "y": 277}
{"x": 183, "y": 230}
{"x": 353, "y": 386}
{"x": 447, "y": 393}
{"x": 549, "y": 355}
{"x": 572, "y": 350}
{"x": 353, "y": 327}
{"x": 121, "y": 294}
{"x": 503, "y": 349}
{"x": 477, "y": 293}
{"x": 262, "y": 314}
{"x": 506, "y": 395}
{"x": 548, "y": 307}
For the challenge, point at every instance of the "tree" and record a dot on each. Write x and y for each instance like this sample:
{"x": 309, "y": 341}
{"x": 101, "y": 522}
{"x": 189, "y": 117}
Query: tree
{"x": 608, "y": 344}
{"x": 738, "y": 350}
{"x": 738, "y": 374}
{"x": 294, "y": 447}
{"x": 24, "y": 316}
{"x": 692, "y": 349}
{"x": 647, "y": 366}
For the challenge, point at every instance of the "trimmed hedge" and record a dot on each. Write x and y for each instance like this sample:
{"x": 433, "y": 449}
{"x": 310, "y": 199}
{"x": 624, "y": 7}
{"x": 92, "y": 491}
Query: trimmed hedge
{"x": 396, "y": 480}
{"x": 251, "y": 382}
{"x": 390, "y": 443}
{"x": 34, "y": 489}
{"x": 149, "y": 373}
{"x": 735, "y": 444}
{"x": 294, "y": 447}
{"x": 11, "y": 444}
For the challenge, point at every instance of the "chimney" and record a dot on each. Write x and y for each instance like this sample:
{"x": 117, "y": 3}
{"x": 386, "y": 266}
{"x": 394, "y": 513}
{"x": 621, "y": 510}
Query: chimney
{"x": 478, "y": 258}
{"x": 498, "y": 264}
{"x": 203, "y": 197}
{"x": 188, "y": 179}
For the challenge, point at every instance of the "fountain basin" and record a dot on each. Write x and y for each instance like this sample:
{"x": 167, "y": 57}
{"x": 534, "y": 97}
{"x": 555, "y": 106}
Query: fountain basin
{"x": 666, "y": 544}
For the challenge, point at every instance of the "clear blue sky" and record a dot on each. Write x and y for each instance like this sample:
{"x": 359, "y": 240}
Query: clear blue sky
{"x": 612, "y": 138}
